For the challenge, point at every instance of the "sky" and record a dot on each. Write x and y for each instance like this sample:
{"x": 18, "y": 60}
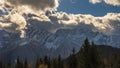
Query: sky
{"x": 85, "y": 7}
{"x": 102, "y": 15}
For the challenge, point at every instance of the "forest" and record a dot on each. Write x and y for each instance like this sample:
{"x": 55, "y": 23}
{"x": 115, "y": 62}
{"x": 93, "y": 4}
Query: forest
{"x": 89, "y": 56}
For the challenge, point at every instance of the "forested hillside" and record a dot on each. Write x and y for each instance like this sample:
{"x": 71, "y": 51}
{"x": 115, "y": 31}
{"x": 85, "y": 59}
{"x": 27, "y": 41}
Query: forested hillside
{"x": 89, "y": 56}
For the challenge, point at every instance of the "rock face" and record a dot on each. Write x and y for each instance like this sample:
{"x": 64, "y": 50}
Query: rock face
{"x": 39, "y": 42}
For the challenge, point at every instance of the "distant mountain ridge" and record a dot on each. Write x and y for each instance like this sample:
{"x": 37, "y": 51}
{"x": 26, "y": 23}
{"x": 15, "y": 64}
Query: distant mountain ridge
{"x": 39, "y": 41}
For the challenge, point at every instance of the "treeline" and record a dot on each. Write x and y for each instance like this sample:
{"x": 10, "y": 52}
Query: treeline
{"x": 88, "y": 57}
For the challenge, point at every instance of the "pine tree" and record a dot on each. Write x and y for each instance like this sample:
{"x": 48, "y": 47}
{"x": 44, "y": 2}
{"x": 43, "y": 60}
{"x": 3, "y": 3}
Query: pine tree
{"x": 54, "y": 63}
{"x": 84, "y": 61}
{"x": 37, "y": 64}
{"x": 9, "y": 64}
{"x": 89, "y": 56}
{"x": 72, "y": 63}
{"x": 95, "y": 57}
{"x": 25, "y": 63}
{"x": 119, "y": 61}
{"x": 46, "y": 60}
{"x": 1, "y": 65}
{"x": 18, "y": 64}
{"x": 49, "y": 63}
{"x": 60, "y": 62}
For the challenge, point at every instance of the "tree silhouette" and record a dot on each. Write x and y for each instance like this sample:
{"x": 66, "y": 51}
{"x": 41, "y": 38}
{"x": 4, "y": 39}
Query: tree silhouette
{"x": 72, "y": 63}
{"x": 18, "y": 64}
{"x": 1, "y": 64}
{"x": 37, "y": 64}
{"x": 9, "y": 64}
{"x": 25, "y": 63}
{"x": 89, "y": 56}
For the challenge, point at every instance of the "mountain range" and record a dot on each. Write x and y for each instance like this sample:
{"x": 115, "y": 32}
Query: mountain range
{"x": 39, "y": 41}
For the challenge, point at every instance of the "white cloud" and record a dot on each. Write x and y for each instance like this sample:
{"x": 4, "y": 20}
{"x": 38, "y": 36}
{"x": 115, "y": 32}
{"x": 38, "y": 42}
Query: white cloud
{"x": 13, "y": 23}
{"x": 35, "y": 4}
{"x": 17, "y": 19}
{"x": 2, "y": 8}
{"x": 100, "y": 23}
{"x": 1, "y": 2}
{"x": 111, "y": 2}
{"x": 95, "y": 1}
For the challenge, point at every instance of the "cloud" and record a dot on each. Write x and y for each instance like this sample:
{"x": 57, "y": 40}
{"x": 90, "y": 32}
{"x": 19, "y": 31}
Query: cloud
{"x": 2, "y": 8}
{"x": 16, "y": 21}
{"x": 95, "y": 1}
{"x": 21, "y": 16}
{"x": 35, "y": 4}
{"x": 111, "y": 2}
{"x": 13, "y": 23}
{"x": 103, "y": 24}
{"x": 1, "y": 2}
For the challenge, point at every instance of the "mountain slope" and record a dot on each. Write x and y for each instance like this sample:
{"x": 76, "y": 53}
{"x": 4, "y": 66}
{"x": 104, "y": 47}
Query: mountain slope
{"x": 39, "y": 40}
